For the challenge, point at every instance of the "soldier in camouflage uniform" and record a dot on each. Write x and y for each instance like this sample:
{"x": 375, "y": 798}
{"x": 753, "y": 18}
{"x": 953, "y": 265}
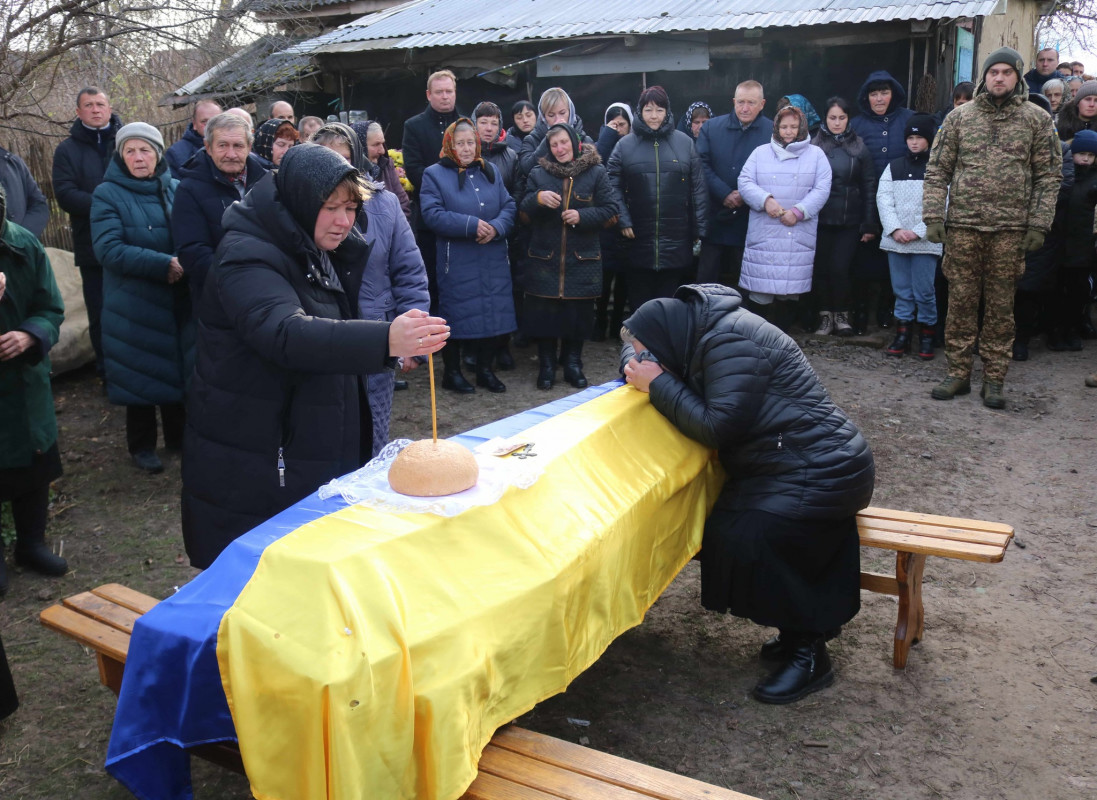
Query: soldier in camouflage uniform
{"x": 998, "y": 161}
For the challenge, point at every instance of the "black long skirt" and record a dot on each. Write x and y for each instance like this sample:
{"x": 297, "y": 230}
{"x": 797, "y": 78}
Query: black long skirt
{"x": 8, "y": 699}
{"x": 796, "y": 575}
{"x": 553, "y": 318}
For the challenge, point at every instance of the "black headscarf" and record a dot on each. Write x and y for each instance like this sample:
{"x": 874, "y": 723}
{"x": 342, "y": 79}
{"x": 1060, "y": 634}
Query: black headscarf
{"x": 267, "y": 133}
{"x": 665, "y": 327}
{"x": 308, "y": 175}
{"x": 576, "y": 145}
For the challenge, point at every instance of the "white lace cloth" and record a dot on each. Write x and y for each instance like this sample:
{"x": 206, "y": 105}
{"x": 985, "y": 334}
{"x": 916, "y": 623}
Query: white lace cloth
{"x": 369, "y": 485}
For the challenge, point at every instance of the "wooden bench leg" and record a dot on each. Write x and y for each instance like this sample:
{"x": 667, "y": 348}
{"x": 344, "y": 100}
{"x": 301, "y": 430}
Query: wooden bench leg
{"x": 110, "y": 672}
{"x": 909, "y": 629}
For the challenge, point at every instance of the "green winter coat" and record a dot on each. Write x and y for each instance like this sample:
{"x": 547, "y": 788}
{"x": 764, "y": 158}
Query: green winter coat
{"x": 999, "y": 166}
{"x": 31, "y": 303}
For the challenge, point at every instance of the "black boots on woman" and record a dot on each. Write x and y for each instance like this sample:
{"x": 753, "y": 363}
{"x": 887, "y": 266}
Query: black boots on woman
{"x": 805, "y": 667}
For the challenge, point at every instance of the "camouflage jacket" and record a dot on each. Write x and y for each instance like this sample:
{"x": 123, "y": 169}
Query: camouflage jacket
{"x": 998, "y": 166}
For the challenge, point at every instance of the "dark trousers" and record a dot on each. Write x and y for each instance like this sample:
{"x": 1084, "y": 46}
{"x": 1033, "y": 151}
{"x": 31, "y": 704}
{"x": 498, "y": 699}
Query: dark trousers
{"x": 719, "y": 263}
{"x": 1071, "y": 298}
{"x": 834, "y": 253}
{"x": 141, "y": 427}
{"x": 9, "y": 701}
{"x": 29, "y": 512}
{"x": 648, "y": 284}
{"x": 92, "y": 280}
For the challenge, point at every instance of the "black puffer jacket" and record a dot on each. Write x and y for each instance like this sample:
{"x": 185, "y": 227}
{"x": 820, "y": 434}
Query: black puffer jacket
{"x": 505, "y": 160}
{"x": 276, "y": 341}
{"x": 852, "y": 201}
{"x": 660, "y": 180}
{"x": 750, "y": 393}
{"x": 79, "y": 164}
{"x": 563, "y": 261}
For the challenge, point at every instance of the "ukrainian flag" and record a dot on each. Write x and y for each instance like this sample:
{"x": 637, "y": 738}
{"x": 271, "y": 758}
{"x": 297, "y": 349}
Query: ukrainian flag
{"x": 357, "y": 654}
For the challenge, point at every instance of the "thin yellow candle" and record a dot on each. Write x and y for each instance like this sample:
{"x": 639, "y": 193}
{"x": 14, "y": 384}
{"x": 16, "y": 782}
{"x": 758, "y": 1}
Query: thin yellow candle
{"x": 433, "y": 408}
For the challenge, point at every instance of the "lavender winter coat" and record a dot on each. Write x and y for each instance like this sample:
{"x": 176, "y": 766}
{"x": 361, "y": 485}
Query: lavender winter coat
{"x": 778, "y": 259}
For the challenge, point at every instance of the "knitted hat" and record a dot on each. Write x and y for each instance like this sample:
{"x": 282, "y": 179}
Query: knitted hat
{"x": 1087, "y": 88}
{"x": 921, "y": 125}
{"x": 1004, "y": 55}
{"x": 140, "y": 130}
{"x": 1084, "y": 142}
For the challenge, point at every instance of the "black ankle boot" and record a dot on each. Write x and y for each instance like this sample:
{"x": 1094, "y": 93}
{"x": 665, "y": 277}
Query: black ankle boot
{"x": 485, "y": 356}
{"x": 452, "y": 378}
{"x": 859, "y": 320}
{"x": 807, "y": 670}
{"x": 546, "y": 356}
{"x": 33, "y": 553}
{"x": 504, "y": 361}
{"x": 901, "y": 343}
{"x": 573, "y": 363}
{"x": 779, "y": 648}
{"x": 925, "y": 343}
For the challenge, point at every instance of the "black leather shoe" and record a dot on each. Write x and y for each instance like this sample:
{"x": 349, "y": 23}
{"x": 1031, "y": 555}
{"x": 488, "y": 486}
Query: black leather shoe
{"x": 546, "y": 376}
{"x": 399, "y": 385}
{"x": 487, "y": 379}
{"x": 147, "y": 461}
{"x": 807, "y": 670}
{"x": 455, "y": 381}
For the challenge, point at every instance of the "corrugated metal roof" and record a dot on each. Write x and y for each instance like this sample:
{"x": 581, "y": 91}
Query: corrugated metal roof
{"x": 437, "y": 23}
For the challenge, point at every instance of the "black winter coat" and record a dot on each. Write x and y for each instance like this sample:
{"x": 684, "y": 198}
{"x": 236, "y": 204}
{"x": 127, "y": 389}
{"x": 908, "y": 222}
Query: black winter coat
{"x": 79, "y": 164}
{"x": 852, "y": 201}
{"x": 505, "y": 160}
{"x": 26, "y": 205}
{"x": 272, "y": 407}
{"x": 203, "y": 195}
{"x": 1078, "y": 204}
{"x": 423, "y": 142}
{"x": 750, "y": 393}
{"x": 660, "y": 181}
{"x": 562, "y": 261}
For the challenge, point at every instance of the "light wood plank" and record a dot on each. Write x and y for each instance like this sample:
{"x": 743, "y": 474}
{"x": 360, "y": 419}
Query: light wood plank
{"x": 932, "y": 547}
{"x": 492, "y": 787}
{"x": 612, "y": 769}
{"x": 936, "y": 532}
{"x": 874, "y": 512}
{"x": 555, "y": 779}
{"x": 102, "y": 638}
{"x": 126, "y": 597}
{"x": 881, "y": 584}
{"x": 106, "y": 611}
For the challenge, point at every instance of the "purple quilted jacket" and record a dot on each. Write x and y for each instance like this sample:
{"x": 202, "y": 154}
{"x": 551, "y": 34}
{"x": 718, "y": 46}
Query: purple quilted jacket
{"x": 778, "y": 259}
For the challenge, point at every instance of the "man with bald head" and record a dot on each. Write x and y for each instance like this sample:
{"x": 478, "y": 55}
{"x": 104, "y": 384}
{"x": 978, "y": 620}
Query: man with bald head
{"x": 283, "y": 110}
{"x": 243, "y": 113}
{"x": 179, "y": 153}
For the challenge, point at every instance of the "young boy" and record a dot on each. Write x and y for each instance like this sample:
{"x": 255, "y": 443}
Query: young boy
{"x": 1079, "y": 258}
{"x": 912, "y": 258}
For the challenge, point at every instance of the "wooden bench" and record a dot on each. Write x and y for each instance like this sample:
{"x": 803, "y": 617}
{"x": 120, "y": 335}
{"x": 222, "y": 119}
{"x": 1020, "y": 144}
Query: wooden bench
{"x": 913, "y": 537}
{"x": 516, "y": 765}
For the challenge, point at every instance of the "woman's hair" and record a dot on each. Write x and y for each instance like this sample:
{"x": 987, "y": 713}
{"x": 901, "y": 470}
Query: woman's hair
{"x": 352, "y": 185}
{"x": 841, "y": 102}
{"x": 375, "y": 127}
{"x": 327, "y": 137}
{"x": 700, "y": 113}
{"x": 553, "y": 97}
{"x": 487, "y": 109}
{"x": 654, "y": 94}
{"x": 522, "y": 105}
{"x": 1054, "y": 83}
{"x": 463, "y": 125}
{"x": 615, "y": 111}
{"x": 963, "y": 89}
{"x": 287, "y": 130}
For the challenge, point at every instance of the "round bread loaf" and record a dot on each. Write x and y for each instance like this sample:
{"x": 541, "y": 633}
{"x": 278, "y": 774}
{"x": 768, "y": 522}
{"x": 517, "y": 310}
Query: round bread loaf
{"x": 429, "y": 468}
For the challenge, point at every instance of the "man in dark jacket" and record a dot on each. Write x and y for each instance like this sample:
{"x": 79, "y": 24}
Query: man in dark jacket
{"x": 193, "y": 137}
{"x": 724, "y": 144}
{"x": 26, "y": 204}
{"x": 213, "y": 180}
{"x": 1047, "y": 62}
{"x": 781, "y": 545}
{"x": 421, "y": 145}
{"x": 79, "y": 164}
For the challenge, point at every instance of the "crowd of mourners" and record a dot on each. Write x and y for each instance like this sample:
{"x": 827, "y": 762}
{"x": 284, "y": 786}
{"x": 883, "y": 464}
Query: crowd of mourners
{"x": 266, "y": 288}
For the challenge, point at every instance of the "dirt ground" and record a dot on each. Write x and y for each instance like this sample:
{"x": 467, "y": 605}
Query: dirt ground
{"x": 997, "y": 702}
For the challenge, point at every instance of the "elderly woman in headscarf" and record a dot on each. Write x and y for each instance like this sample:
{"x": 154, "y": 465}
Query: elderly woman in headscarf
{"x": 378, "y": 166}
{"x": 31, "y": 312}
{"x": 273, "y": 404}
{"x": 464, "y": 202}
{"x": 273, "y": 139}
{"x": 568, "y": 201}
{"x": 148, "y": 326}
{"x": 785, "y": 183}
{"x": 391, "y": 281}
{"x": 696, "y": 115}
{"x": 781, "y": 546}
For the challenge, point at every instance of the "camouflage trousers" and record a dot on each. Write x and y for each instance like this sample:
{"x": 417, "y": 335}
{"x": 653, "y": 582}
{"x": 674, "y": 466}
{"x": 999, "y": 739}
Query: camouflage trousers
{"x": 981, "y": 264}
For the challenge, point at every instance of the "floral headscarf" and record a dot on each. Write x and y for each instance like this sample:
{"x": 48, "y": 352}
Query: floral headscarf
{"x": 801, "y": 134}
{"x": 448, "y": 156}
